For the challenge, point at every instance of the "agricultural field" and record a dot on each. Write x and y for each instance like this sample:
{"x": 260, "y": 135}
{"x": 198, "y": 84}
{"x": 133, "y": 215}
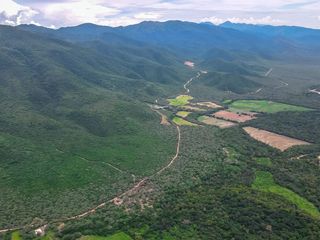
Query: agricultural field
{"x": 183, "y": 114}
{"x": 215, "y": 122}
{"x": 265, "y": 106}
{"x": 181, "y": 122}
{"x": 300, "y": 125}
{"x": 180, "y": 100}
{"x": 208, "y": 105}
{"x": 264, "y": 182}
{"x": 232, "y": 116}
{"x": 192, "y": 108}
{"x": 274, "y": 140}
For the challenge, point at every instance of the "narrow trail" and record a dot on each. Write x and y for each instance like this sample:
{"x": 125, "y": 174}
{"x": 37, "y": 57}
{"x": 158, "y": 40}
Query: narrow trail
{"x": 136, "y": 186}
{"x": 266, "y": 75}
{"x": 177, "y": 152}
{"x": 105, "y": 163}
{"x": 101, "y": 205}
{"x": 284, "y": 84}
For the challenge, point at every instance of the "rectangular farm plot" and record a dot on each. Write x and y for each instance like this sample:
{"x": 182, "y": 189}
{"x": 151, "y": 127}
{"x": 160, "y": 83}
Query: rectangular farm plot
{"x": 273, "y": 139}
{"x": 208, "y": 105}
{"x": 193, "y": 109}
{"x": 235, "y": 117}
{"x": 182, "y": 122}
{"x": 266, "y": 106}
{"x": 180, "y": 100}
{"x": 216, "y": 122}
{"x": 183, "y": 114}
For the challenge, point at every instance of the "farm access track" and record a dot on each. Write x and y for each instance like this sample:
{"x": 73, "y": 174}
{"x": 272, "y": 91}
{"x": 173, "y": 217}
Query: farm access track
{"x": 136, "y": 186}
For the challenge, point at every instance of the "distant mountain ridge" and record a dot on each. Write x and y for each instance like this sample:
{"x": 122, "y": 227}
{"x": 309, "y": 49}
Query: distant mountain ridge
{"x": 188, "y": 39}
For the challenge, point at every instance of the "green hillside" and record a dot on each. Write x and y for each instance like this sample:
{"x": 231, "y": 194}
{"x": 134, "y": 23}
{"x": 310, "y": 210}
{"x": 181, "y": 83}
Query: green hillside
{"x": 63, "y": 123}
{"x": 92, "y": 146}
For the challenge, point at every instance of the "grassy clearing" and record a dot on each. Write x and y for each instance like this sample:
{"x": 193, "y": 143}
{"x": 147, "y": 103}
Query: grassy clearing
{"x": 182, "y": 122}
{"x": 117, "y": 236}
{"x": 264, "y": 161}
{"x": 180, "y": 100}
{"x": 16, "y": 236}
{"x": 266, "y": 106}
{"x": 264, "y": 182}
{"x": 183, "y": 114}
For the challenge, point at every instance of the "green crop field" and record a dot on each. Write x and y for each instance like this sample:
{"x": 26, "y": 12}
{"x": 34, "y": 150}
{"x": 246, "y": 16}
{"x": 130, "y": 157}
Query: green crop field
{"x": 264, "y": 182}
{"x": 265, "y": 106}
{"x": 183, "y": 114}
{"x": 182, "y": 122}
{"x": 180, "y": 100}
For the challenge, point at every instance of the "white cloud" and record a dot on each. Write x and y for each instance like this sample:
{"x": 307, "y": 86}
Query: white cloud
{"x": 251, "y": 20}
{"x": 148, "y": 15}
{"x": 77, "y": 12}
{"x": 120, "y": 21}
{"x": 126, "y": 12}
{"x": 214, "y": 20}
{"x": 12, "y": 13}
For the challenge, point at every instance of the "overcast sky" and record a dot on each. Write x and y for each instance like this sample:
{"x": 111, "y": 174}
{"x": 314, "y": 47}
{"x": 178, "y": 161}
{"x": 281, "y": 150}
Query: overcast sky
{"x": 58, "y": 13}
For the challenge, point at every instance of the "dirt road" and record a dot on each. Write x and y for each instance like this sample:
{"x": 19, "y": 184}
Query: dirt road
{"x": 269, "y": 72}
{"x": 135, "y": 187}
{"x": 190, "y": 81}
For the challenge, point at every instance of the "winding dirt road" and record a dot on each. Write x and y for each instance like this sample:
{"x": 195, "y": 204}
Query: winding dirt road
{"x": 101, "y": 205}
{"x": 135, "y": 187}
{"x": 190, "y": 81}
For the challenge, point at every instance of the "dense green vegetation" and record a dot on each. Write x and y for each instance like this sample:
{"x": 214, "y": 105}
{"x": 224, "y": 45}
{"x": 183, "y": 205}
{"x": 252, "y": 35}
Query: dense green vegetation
{"x": 264, "y": 182}
{"x": 264, "y": 161}
{"x": 76, "y": 130}
{"x": 64, "y": 133}
{"x": 211, "y": 192}
{"x": 117, "y": 236}
{"x": 265, "y": 106}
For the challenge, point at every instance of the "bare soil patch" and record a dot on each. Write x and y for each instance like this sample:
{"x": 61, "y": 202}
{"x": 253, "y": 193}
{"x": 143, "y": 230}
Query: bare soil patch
{"x": 164, "y": 118}
{"x": 189, "y": 64}
{"x": 273, "y": 139}
{"x": 235, "y": 117}
{"x": 216, "y": 122}
{"x": 208, "y": 105}
{"x": 195, "y": 109}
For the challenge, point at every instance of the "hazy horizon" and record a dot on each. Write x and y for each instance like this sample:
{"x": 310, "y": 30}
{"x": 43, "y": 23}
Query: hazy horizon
{"x": 58, "y": 13}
